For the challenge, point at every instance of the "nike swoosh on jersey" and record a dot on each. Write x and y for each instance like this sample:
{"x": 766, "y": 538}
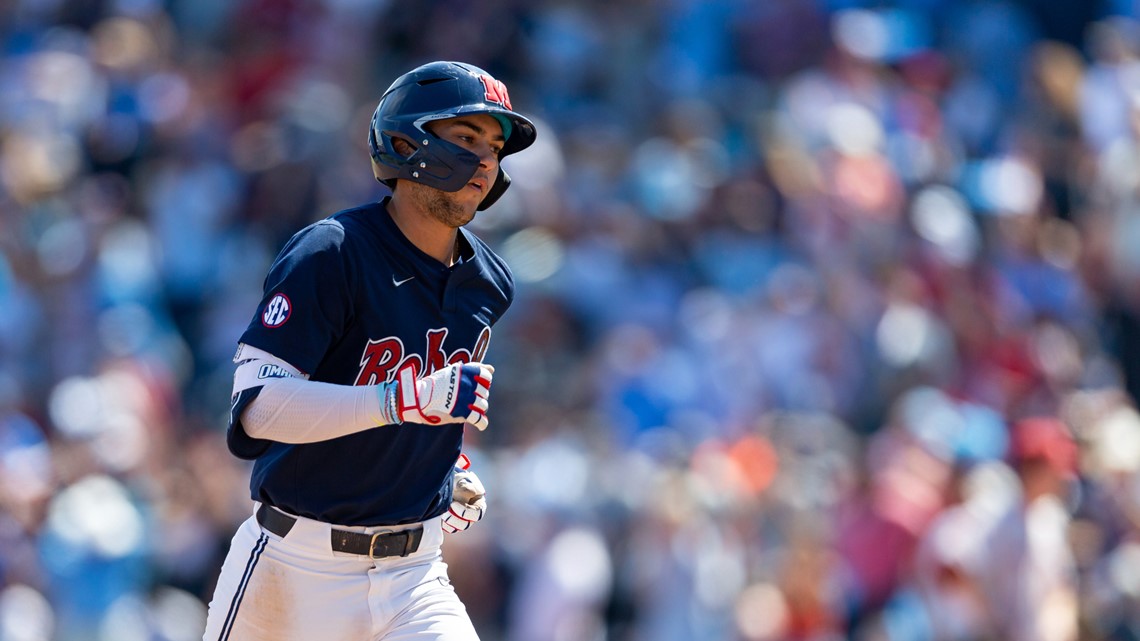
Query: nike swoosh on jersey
{"x": 397, "y": 283}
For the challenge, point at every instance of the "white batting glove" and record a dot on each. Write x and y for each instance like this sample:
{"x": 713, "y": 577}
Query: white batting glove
{"x": 468, "y": 504}
{"x": 455, "y": 394}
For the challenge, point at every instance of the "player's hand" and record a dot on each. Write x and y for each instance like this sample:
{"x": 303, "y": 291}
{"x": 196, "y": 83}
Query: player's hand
{"x": 454, "y": 394}
{"x": 468, "y": 504}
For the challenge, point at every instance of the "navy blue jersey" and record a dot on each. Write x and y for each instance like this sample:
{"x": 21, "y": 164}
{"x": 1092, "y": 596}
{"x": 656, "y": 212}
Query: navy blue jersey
{"x": 350, "y": 300}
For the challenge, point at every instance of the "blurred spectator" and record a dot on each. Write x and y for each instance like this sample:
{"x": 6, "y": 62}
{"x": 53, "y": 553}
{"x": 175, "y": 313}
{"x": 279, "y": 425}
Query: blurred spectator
{"x": 1028, "y": 572}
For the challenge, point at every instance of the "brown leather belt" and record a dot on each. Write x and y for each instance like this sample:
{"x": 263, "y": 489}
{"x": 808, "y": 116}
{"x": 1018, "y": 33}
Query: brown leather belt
{"x": 379, "y": 545}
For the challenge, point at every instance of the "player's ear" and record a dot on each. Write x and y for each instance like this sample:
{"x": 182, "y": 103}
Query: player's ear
{"x": 403, "y": 147}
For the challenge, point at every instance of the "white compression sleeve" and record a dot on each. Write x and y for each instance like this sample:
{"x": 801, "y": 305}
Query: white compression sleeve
{"x": 290, "y": 409}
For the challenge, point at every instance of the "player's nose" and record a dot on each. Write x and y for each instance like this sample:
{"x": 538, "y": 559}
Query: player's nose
{"x": 488, "y": 159}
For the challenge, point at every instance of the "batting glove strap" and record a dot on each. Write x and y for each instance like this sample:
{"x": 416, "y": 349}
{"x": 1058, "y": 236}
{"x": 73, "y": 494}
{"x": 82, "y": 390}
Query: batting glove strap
{"x": 389, "y": 405}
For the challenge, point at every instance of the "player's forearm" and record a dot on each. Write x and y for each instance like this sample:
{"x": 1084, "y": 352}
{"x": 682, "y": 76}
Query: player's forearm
{"x": 295, "y": 410}
{"x": 282, "y": 404}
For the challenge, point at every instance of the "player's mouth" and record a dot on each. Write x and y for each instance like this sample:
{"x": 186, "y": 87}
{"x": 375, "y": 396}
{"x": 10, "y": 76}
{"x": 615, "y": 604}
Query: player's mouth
{"x": 478, "y": 184}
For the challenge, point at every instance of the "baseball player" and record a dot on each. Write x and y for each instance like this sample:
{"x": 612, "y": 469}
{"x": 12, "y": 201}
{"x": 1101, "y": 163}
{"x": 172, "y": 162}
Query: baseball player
{"x": 357, "y": 374}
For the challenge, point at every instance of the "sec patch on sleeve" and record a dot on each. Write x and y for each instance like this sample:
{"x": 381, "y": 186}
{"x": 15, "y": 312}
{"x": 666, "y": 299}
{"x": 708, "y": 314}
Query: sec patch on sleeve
{"x": 277, "y": 311}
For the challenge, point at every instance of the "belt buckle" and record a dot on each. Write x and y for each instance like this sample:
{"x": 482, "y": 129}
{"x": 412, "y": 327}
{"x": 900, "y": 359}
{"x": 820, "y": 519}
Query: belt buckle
{"x": 372, "y": 543}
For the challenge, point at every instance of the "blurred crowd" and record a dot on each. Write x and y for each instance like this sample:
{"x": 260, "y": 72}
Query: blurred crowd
{"x": 827, "y": 327}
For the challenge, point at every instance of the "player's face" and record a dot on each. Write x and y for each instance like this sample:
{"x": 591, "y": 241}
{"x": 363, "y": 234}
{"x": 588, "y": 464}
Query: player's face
{"x": 482, "y": 135}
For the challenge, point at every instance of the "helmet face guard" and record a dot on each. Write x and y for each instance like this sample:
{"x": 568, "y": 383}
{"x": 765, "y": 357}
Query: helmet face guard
{"x": 436, "y": 91}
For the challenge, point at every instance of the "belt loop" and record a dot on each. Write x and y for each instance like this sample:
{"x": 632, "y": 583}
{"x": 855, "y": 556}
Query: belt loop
{"x": 409, "y": 540}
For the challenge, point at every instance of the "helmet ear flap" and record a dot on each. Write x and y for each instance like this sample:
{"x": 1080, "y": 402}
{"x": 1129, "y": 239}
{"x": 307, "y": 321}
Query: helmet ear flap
{"x": 436, "y": 163}
{"x": 501, "y": 183}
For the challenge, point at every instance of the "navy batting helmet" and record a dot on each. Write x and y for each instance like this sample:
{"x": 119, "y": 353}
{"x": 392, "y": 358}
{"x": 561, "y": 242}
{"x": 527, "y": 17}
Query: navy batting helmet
{"x": 431, "y": 92}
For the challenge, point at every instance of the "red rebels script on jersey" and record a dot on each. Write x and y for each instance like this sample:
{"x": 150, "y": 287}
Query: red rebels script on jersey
{"x": 383, "y": 358}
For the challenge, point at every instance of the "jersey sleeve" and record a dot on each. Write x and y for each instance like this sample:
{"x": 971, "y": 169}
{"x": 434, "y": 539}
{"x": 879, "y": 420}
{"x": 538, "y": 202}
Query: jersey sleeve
{"x": 254, "y": 368}
{"x": 307, "y": 298}
{"x": 241, "y": 444}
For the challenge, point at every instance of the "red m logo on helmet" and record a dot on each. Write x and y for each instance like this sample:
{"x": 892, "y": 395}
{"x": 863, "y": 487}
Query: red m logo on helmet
{"x": 496, "y": 91}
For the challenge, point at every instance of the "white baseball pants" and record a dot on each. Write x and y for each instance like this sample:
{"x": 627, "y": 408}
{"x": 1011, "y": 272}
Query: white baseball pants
{"x": 295, "y": 588}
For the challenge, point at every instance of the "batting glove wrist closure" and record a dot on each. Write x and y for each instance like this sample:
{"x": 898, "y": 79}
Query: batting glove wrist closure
{"x": 469, "y": 500}
{"x": 454, "y": 394}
